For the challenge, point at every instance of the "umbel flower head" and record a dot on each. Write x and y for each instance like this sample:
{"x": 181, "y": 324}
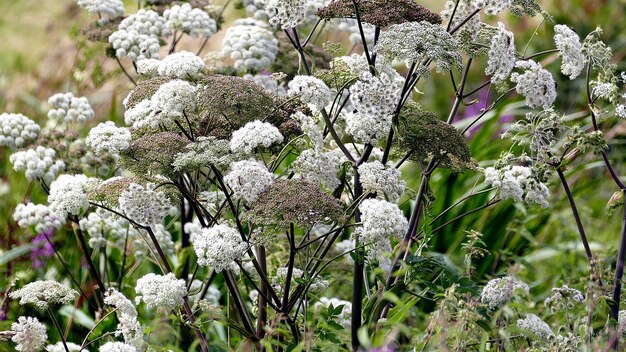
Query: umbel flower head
{"x": 254, "y": 134}
{"x": 164, "y": 292}
{"x": 381, "y": 13}
{"x": 501, "y": 55}
{"x": 143, "y": 91}
{"x": 42, "y": 294}
{"x": 535, "y": 325}
{"x": 296, "y": 201}
{"x": 193, "y": 21}
{"x": 114, "y": 346}
{"x": 37, "y": 215}
{"x": 286, "y": 13}
{"x": 128, "y": 325}
{"x": 384, "y": 180}
{"x": 180, "y": 65}
{"x": 30, "y": 334}
{"x": 311, "y": 90}
{"x": 570, "y": 49}
{"x": 427, "y": 137}
{"x": 204, "y": 152}
{"x": 412, "y": 41}
{"x": 153, "y": 154}
{"x": 248, "y": 179}
{"x": 518, "y": 182}
{"x": 536, "y": 84}
{"x": 107, "y": 138}
{"x": 225, "y": 104}
{"x": 66, "y": 108}
{"x": 108, "y": 8}
{"x": 144, "y": 204}
{"x": 217, "y": 247}
{"x": 38, "y": 163}
{"x": 500, "y": 291}
{"x": 251, "y": 45}
{"x": 17, "y": 130}
{"x": 68, "y": 194}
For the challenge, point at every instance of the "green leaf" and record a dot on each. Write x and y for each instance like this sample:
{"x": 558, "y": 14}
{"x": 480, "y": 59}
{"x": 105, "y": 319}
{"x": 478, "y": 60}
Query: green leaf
{"x": 78, "y": 315}
{"x": 16, "y": 252}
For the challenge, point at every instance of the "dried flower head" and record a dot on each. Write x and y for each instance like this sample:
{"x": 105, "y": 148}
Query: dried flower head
{"x": 143, "y": 91}
{"x": 42, "y": 294}
{"x": 381, "y": 13}
{"x": 296, "y": 201}
{"x": 153, "y": 154}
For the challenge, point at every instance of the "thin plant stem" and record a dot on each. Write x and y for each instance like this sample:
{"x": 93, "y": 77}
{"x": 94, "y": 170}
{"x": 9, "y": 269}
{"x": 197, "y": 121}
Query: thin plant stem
{"x": 617, "y": 283}
{"x": 57, "y": 326}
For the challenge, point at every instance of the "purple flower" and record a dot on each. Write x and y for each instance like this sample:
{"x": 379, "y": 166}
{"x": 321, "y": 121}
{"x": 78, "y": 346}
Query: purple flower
{"x": 41, "y": 248}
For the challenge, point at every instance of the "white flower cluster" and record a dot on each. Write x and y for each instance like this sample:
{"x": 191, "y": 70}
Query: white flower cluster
{"x": 30, "y": 334}
{"x": 114, "y": 346}
{"x": 311, "y": 91}
{"x": 248, "y": 179}
{"x": 161, "y": 291}
{"x": 41, "y": 294}
{"x": 536, "y": 326}
{"x": 463, "y": 10}
{"x": 286, "y": 13}
{"x": 351, "y": 26}
{"x": 501, "y": 55}
{"x": 604, "y": 90}
{"x": 517, "y": 182}
{"x": 193, "y": 21}
{"x": 493, "y": 7}
{"x": 128, "y": 325}
{"x": 38, "y": 163}
{"x": 375, "y": 100}
{"x": 251, "y": 45}
{"x": 570, "y": 48}
{"x": 17, "y": 130}
{"x": 102, "y": 224}
{"x": 65, "y": 107}
{"x": 217, "y": 247}
{"x": 317, "y": 166}
{"x": 181, "y": 65}
{"x": 345, "y": 317}
{"x": 37, "y": 215}
{"x": 170, "y": 102}
{"x": 256, "y": 9}
{"x": 414, "y": 41}
{"x": 138, "y": 35}
{"x": 311, "y": 129}
{"x": 536, "y": 84}
{"x": 384, "y": 180}
{"x": 381, "y": 220}
{"x": 108, "y": 8}
{"x": 500, "y": 291}
{"x": 58, "y": 347}
{"x": 254, "y": 134}
{"x": 108, "y": 138}
{"x": 144, "y": 204}
{"x": 68, "y": 194}
{"x": 563, "y": 298}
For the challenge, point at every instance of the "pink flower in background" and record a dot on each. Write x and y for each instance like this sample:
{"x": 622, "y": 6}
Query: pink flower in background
{"x": 42, "y": 248}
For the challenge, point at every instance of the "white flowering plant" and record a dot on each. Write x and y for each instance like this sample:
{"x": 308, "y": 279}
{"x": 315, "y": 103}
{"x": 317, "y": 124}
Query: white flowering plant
{"x": 298, "y": 184}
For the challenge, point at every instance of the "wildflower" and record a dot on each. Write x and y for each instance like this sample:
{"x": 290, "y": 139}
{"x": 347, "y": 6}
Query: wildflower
{"x": 117, "y": 347}
{"x": 217, "y": 247}
{"x": 381, "y": 13}
{"x": 30, "y": 334}
{"x": 535, "y": 325}
{"x": 108, "y": 8}
{"x": 202, "y": 152}
{"x": 68, "y": 194}
{"x": 536, "y": 84}
{"x": 143, "y": 92}
{"x": 268, "y": 82}
{"x": 279, "y": 280}
{"x": 251, "y": 45}
{"x": 42, "y": 248}
{"x": 317, "y": 166}
{"x": 107, "y": 138}
{"x": 500, "y": 291}
{"x": 366, "y": 128}
{"x": 414, "y": 41}
{"x": 144, "y": 204}
{"x": 254, "y": 134}
{"x": 42, "y": 294}
{"x": 493, "y": 7}
{"x": 67, "y": 108}
{"x": 161, "y": 291}
{"x": 604, "y": 90}
{"x": 286, "y": 13}
{"x": 171, "y": 101}
{"x": 464, "y": 9}
{"x": 381, "y": 219}
{"x": 59, "y": 347}
{"x": 570, "y": 49}
{"x": 138, "y": 36}
{"x": 248, "y": 179}
{"x": 539, "y": 130}
{"x": 38, "y": 163}
{"x": 37, "y": 215}
{"x": 180, "y": 65}
{"x": 518, "y": 182}
{"x": 384, "y": 180}
{"x": 128, "y": 326}
{"x": 376, "y": 96}
{"x": 193, "y": 21}
{"x": 501, "y": 55}
{"x": 153, "y": 154}
{"x": 351, "y": 26}
{"x": 295, "y": 201}
{"x": 311, "y": 91}
{"x": 102, "y": 224}
{"x": 17, "y": 130}
{"x": 344, "y": 318}
{"x": 563, "y": 298}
